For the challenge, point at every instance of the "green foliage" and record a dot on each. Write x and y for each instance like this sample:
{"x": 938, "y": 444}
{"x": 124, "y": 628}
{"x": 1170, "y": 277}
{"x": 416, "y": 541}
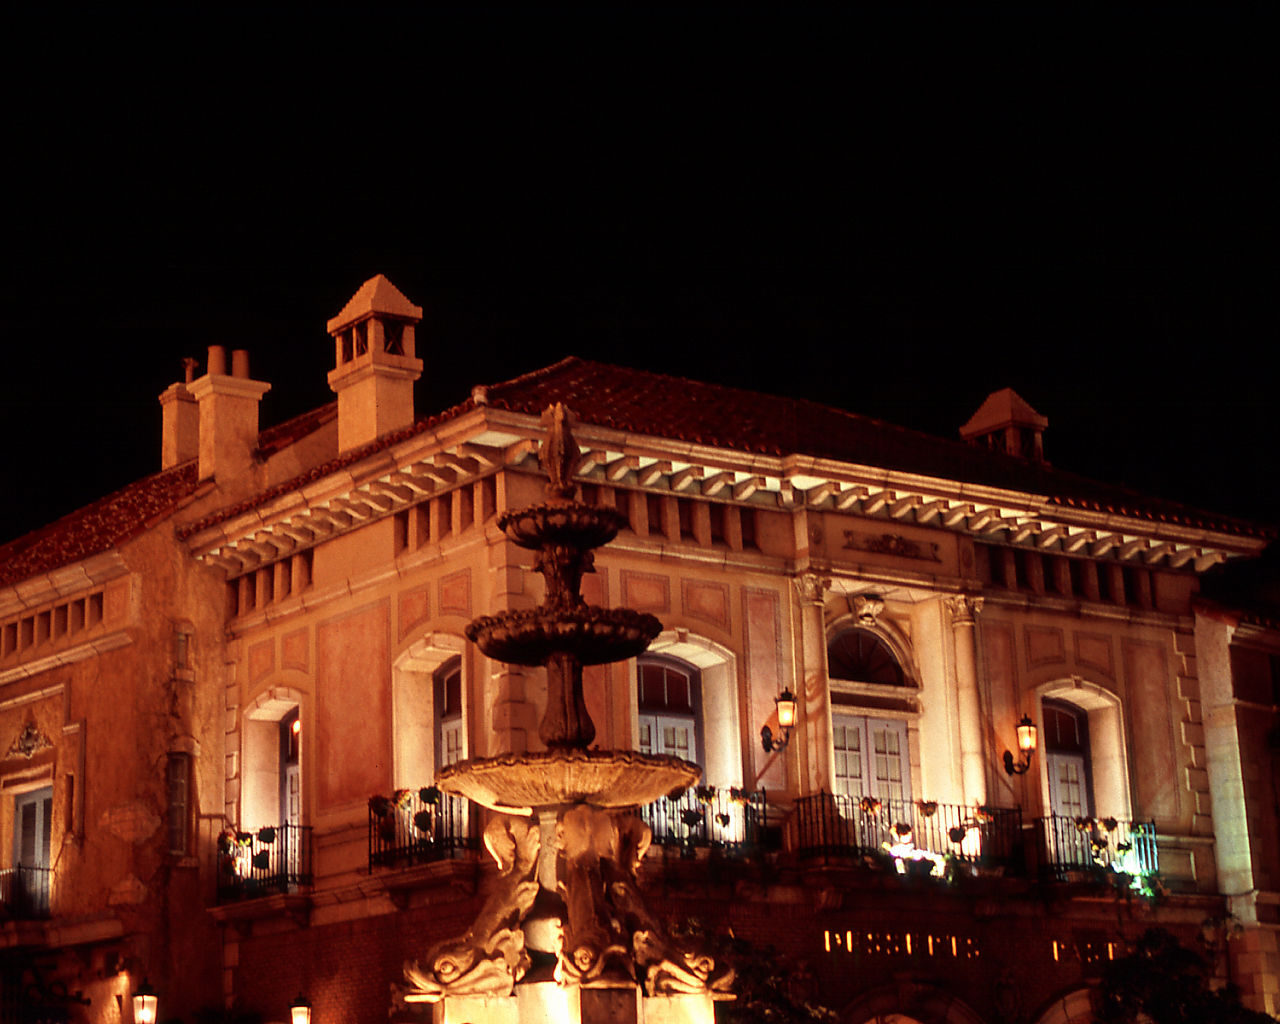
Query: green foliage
{"x": 1170, "y": 985}
{"x": 770, "y": 988}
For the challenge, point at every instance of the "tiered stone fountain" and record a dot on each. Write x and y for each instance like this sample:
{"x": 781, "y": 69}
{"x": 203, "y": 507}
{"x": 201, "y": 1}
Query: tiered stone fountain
{"x": 564, "y": 934}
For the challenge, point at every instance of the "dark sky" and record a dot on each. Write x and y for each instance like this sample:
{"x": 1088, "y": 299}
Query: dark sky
{"x": 895, "y": 213}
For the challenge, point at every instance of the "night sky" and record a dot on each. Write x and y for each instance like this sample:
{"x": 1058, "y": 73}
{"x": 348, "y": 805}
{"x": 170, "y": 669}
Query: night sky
{"x": 894, "y": 213}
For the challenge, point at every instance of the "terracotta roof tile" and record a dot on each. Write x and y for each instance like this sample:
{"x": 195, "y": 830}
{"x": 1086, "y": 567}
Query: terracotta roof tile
{"x": 98, "y": 526}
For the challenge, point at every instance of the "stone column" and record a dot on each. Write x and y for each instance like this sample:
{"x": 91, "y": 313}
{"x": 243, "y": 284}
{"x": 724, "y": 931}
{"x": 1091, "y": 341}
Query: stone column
{"x": 814, "y": 723}
{"x": 964, "y": 611}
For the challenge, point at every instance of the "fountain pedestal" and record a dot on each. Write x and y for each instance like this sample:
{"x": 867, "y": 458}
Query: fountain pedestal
{"x": 564, "y": 935}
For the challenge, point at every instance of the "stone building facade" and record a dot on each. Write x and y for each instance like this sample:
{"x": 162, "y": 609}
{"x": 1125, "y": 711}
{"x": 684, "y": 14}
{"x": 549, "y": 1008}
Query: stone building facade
{"x": 225, "y": 691}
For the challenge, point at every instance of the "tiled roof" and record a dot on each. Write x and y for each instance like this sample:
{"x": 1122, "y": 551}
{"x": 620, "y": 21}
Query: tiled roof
{"x": 639, "y": 401}
{"x": 98, "y": 526}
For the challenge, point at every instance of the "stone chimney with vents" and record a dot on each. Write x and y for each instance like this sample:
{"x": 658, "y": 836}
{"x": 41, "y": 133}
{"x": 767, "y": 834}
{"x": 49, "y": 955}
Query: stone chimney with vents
{"x": 374, "y": 363}
{"x": 228, "y": 404}
{"x": 1006, "y": 423}
{"x": 179, "y": 421}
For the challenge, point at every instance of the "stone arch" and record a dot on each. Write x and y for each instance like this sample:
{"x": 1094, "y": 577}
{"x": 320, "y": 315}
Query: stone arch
{"x": 1074, "y": 1007}
{"x": 413, "y": 705}
{"x": 718, "y": 668}
{"x": 1107, "y": 746}
{"x": 884, "y": 630}
{"x": 909, "y": 1003}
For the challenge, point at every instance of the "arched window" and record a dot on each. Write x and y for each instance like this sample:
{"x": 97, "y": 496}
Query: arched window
{"x": 669, "y": 705}
{"x": 858, "y": 655}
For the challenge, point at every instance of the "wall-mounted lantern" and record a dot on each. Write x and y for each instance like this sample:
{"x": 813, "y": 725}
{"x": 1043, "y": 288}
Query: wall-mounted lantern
{"x": 145, "y": 1003}
{"x": 1026, "y": 744}
{"x": 786, "y": 705}
{"x": 300, "y": 1010}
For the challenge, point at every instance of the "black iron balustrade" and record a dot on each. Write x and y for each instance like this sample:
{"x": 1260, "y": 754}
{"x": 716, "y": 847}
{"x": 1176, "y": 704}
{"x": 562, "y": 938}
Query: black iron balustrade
{"x": 828, "y": 824}
{"x": 1071, "y": 846}
{"x": 725, "y": 820}
{"x": 24, "y": 892}
{"x": 416, "y": 827}
{"x": 274, "y": 859}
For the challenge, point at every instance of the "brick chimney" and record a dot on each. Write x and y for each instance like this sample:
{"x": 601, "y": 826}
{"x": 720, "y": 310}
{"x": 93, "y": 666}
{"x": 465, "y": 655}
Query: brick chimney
{"x": 179, "y": 421}
{"x": 1006, "y": 423}
{"x": 228, "y": 415}
{"x": 374, "y": 363}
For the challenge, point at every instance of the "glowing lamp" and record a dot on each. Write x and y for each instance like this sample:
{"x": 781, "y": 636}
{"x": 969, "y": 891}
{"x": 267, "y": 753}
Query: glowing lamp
{"x": 1026, "y": 745}
{"x": 300, "y": 1010}
{"x": 144, "y": 1004}
{"x": 786, "y": 707}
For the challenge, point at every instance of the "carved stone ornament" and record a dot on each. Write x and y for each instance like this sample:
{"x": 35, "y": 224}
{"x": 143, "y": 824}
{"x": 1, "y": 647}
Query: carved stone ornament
{"x": 891, "y": 544}
{"x": 964, "y": 609}
{"x": 867, "y": 607}
{"x": 490, "y": 958}
{"x": 28, "y": 742}
{"x": 812, "y": 588}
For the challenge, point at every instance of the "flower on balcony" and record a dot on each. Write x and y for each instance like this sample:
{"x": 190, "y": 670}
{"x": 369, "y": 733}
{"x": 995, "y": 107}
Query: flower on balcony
{"x": 1123, "y": 847}
{"x": 261, "y": 860}
{"x": 1084, "y": 824}
{"x": 380, "y": 806}
{"x": 691, "y": 817}
{"x": 722, "y": 820}
{"x": 1110, "y": 824}
{"x": 401, "y": 797}
{"x": 902, "y": 829}
{"x": 739, "y": 795}
{"x": 928, "y": 808}
{"x": 705, "y": 794}
{"x": 429, "y": 795}
{"x": 983, "y": 815}
{"x": 869, "y": 805}
{"x": 956, "y": 833}
{"x": 267, "y": 835}
{"x": 424, "y": 822}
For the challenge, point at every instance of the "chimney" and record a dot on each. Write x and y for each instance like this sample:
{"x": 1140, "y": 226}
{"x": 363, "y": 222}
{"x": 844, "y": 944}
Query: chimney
{"x": 1006, "y": 423}
{"x": 179, "y": 421}
{"x": 374, "y": 363}
{"x": 228, "y": 415}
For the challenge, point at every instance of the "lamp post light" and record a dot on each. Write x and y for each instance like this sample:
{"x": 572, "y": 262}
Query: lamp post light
{"x": 300, "y": 1010}
{"x": 786, "y": 705}
{"x": 1026, "y": 745}
{"x": 144, "y": 1004}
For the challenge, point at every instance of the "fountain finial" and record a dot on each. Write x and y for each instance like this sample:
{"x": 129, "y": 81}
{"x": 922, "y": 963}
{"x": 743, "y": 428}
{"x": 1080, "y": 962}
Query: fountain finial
{"x": 559, "y": 453}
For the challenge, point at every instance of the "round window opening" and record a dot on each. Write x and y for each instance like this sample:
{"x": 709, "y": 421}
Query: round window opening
{"x": 859, "y": 656}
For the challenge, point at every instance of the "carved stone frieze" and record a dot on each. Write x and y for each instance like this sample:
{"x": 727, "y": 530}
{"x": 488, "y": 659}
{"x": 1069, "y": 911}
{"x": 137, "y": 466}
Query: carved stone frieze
{"x": 891, "y": 544}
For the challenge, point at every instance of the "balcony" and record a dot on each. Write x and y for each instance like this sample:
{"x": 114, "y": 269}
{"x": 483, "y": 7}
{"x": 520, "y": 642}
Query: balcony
{"x": 919, "y": 836}
{"x": 24, "y": 893}
{"x": 1076, "y": 848}
{"x": 419, "y": 827}
{"x": 722, "y": 821}
{"x": 275, "y": 859}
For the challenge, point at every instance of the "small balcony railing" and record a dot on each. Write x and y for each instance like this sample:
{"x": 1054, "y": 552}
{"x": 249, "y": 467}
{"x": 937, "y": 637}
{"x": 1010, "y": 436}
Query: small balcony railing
{"x": 274, "y": 859}
{"x": 416, "y": 827}
{"x": 907, "y": 832}
{"x": 24, "y": 892}
{"x": 1071, "y": 846}
{"x": 725, "y": 820}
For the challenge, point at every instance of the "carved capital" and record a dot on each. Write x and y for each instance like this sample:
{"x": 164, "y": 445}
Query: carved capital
{"x": 964, "y": 609}
{"x": 811, "y": 587}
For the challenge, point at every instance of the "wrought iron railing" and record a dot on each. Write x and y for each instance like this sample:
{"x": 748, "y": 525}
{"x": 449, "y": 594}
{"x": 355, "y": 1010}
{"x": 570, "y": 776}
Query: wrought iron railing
{"x": 1068, "y": 846}
{"x": 725, "y": 820}
{"x": 24, "y": 892}
{"x": 274, "y": 859}
{"x": 907, "y": 831}
{"x": 411, "y": 827}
